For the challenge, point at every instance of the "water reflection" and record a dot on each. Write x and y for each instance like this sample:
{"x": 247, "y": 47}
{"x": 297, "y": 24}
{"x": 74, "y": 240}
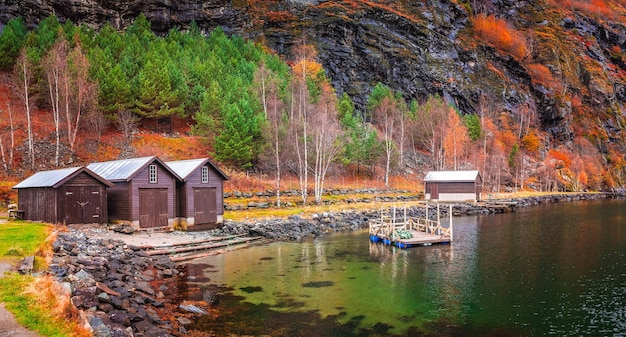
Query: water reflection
{"x": 544, "y": 270}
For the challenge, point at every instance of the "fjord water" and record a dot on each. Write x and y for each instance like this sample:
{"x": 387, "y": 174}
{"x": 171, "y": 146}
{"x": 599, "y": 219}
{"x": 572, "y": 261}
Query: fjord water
{"x": 545, "y": 270}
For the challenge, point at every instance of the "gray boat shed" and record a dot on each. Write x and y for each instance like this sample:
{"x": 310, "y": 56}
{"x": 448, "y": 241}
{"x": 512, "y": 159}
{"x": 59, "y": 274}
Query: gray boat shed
{"x": 453, "y": 185}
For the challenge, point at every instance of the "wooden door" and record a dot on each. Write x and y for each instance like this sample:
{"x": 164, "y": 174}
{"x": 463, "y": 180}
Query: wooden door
{"x": 81, "y": 204}
{"x": 434, "y": 191}
{"x": 153, "y": 207}
{"x": 205, "y": 206}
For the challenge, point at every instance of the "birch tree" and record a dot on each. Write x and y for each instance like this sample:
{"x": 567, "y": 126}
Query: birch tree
{"x": 7, "y": 159}
{"x": 299, "y": 122}
{"x": 385, "y": 117}
{"x": 22, "y": 78}
{"x": 455, "y": 141}
{"x": 274, "y": 109}
{"x": 430, "y": 122}
{"x": 126, "y": 122}
{"x": 326, "y": 133}
{"x": 261, "y": 78}
{"x": 80, "y": 93}
{"x": 55, "y": 67}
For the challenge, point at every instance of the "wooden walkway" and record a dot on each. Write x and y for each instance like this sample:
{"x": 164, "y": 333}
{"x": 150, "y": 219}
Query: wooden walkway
{"x": 190, "y": 250}
{"x": 405, "y": 232}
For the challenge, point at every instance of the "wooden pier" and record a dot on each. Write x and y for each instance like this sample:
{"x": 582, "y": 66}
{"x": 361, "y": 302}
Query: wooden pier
{"x": 405, "y": 232}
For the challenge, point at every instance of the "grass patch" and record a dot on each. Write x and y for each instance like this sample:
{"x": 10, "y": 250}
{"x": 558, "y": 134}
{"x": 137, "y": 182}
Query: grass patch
{"x": 20, "y": 238}
{"x": 38, "y": 303}
{"x": 36, "y": 306}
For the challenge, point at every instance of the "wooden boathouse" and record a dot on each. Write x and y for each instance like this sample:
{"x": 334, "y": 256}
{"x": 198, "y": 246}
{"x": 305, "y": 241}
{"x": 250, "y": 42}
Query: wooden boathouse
{"x": 453, "y": 186}
{"x": 72, "y": 195}
{"x": 199, "y": 193}
{"x": 143, "y": 192}
{"x": 404, "y": 232}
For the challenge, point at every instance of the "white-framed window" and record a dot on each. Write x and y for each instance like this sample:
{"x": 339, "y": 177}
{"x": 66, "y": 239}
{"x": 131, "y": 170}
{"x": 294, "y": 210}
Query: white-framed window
{"x": 205, "y": 174}
{"x": 153, "y": 174}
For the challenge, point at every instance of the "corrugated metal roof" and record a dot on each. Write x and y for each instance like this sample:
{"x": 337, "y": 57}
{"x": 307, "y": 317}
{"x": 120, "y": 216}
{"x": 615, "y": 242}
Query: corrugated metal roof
{"x": 451, "y": 175}
{"x": 185, "y": 167}
{"x": 47, "y": 178}
{"x": 117, "y": 170}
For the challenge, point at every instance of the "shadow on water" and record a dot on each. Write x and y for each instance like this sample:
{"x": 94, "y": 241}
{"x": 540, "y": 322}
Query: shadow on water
{"x": 318, "y": 284}
{"x": 289, "y": 316}
{"x": 238, "y": 318}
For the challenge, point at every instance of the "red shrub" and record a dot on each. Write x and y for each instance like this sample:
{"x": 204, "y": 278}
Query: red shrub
{"x": 496, "y": 32}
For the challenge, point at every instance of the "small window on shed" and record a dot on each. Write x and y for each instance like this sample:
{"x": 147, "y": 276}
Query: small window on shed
{"x": 205, "y": 174}
{"x": 153, "y": 174}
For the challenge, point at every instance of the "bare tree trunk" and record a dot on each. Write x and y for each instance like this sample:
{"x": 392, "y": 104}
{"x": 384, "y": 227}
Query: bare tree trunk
{"x": 29, "y": 124}
{"x": 23, "y": 77}
{"x": 98, "y": 123}
{"x": 401, "y": 142}
{"x": 277, "y": 153}
{"x": 126, "y": 122}
{"x": 326, "y": 130}
{"x": 8, "y": 162}
{"x": 263, "y": 70}
{"x": 12, "y": 135}
{"x": 55, "y": 65}
{"x": 385, "y": 116}
{"x": 274, "y": 114}
{"x": 53, "y": 86}
{"x": 84, "y": 94}
{"x": 4, "y": 160}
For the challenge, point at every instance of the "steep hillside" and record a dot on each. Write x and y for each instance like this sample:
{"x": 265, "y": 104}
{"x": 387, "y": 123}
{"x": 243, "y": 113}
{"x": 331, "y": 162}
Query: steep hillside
{"x": 554, "y": 70}
{"x": 419, "y": 48}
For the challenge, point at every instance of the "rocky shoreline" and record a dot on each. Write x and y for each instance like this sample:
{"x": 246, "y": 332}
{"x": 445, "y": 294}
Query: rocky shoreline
{"x": 296, "y": 228}
{"x": 119, "y": 288}
{"x": 123, "y": 291}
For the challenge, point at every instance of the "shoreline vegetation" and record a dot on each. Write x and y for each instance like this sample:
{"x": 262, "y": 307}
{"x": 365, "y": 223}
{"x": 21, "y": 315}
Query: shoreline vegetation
{"x": 252, "y": 206}
{"x": 84, "y": 286}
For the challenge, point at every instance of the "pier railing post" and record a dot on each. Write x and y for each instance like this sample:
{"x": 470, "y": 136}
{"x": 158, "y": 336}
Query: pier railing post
{"x": 451, "y": 231}
{"x": 438, "y": 220}
{"x": 426, "y": 220}
{"x": 406, "y": 224}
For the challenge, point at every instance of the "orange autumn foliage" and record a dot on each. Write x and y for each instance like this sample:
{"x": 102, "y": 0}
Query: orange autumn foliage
{"x": 564, "y": 157}
{"x": 598, "y": 8}
{"x": 531, "y": 142}
{"x": 542, "y": 75}
{"x": 455, "y": 141}
{"x": 496, "y": 32}
{"x": 616, "y": 51}
{"x": 506, "y": 138}
{"x": 309, "y": 67}
{"x": 170, "y": 148}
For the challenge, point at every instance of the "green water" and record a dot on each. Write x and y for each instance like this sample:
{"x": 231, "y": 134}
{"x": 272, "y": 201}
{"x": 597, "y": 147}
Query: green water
{"x": 545, "y": 270}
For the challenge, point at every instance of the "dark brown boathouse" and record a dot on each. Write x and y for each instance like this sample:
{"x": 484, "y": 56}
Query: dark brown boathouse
{"x": 143, "y": 192}
{"x": 68, "y": 196}
{"x": 200, "y": 193}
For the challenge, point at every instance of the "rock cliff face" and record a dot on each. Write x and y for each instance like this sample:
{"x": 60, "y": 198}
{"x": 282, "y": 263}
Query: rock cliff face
{"x": 419, "y": 48}
{"x": 163, "y": 14}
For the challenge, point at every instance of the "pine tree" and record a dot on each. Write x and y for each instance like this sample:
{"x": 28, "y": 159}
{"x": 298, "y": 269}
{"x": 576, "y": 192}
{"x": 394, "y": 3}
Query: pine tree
{"x": 11, "y": 42}
{"x": 233, "y": 144}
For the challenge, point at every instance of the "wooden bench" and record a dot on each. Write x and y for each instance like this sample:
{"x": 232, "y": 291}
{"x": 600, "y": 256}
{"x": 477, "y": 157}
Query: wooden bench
{"x": 16, "y": 214}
